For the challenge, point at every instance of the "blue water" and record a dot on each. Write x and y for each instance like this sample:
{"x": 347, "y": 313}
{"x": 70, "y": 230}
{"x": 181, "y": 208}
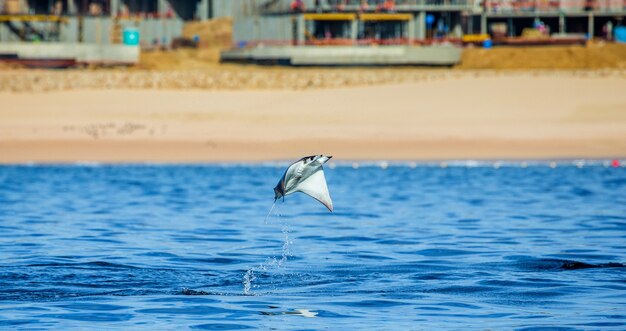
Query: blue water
{"x": 468, "y": 246}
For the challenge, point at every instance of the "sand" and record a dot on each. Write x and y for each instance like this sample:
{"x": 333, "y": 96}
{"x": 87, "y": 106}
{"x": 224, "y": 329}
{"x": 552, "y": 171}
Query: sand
{"x": 462, "y": 116}
{"x": 217, "y": 78}
{"x": 217, "y": 32}
{"x": 238, "y": 78}
{"x": 595, "y": 55}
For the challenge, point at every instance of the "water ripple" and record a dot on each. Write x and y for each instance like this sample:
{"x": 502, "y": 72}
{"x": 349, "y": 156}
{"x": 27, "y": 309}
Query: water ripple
{"x": 467, "y": 247}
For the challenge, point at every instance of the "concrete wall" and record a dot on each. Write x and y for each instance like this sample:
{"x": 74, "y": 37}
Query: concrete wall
{"x": 99, "y": 30}
{"x": 69, "y": 31}
{"x": 152, "y": 31}
{"x": 48, "y": 30}
{"x": 347, "y": 55}
{"x": 221, "y": 8}
{"x": 6, "y": 35}
{"x": 156, "y": 31}
{"x": 90, "y": 53}
{"x": 250, "y": 25}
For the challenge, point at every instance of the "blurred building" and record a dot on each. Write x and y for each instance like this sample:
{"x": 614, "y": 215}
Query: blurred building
{"x": 296, "y": 23}
{"x": 301, "y": 21}
{"x": 97, "y": 31}
{"x": 414, "y": 21}
{"x": 101, "y": 21}
{"x": 287, "y": 30}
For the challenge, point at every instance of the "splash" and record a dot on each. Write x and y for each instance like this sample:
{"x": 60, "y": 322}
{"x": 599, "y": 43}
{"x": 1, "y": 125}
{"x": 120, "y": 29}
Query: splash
{"x": 248, "y": 278}
{"x": 286, "y": 251}
{"x": 271, "y": 263}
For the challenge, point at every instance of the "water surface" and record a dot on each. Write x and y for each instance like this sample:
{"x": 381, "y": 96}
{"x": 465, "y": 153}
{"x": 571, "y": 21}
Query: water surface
{"x": 469, "y": 246}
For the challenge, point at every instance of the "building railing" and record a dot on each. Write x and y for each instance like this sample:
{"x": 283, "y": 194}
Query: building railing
{"x": 361, "y": 5}
{"x": 490, "y": 6}
{"x": 511, "y": 41}
{"x": 351, "y": 42}
{"x": 547, "y": 6}
{"x": 400, "y": 4}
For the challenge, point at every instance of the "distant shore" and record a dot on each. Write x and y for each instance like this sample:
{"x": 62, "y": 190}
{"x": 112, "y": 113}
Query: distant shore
{"x": 184, "y": 69}
{"x": 448, "y": 115}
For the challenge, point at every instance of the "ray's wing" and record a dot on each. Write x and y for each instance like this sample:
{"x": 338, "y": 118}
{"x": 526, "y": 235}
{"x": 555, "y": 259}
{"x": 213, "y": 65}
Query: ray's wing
{"x": 315, "y": 187}
{"x": 292, "y": 177}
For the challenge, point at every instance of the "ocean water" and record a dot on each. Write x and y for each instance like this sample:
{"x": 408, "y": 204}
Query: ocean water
{"x": 409, "y": 247}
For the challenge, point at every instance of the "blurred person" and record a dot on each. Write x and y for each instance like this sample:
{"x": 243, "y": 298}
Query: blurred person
{"x": 389, "y": 5}
{"x": 364, "y": 5}
{"x": 124, "y": 11}
{"x": 297, "y": 6}
{"x": 318, "y": 6}
{"x": 607, "y": 29}
{"x": 95, "y": 9}
{"x": 442, "y": 29}
{"x": 541, "y": 26}
{"x": 57, "y": 8}
{"x": 340, "y": 5}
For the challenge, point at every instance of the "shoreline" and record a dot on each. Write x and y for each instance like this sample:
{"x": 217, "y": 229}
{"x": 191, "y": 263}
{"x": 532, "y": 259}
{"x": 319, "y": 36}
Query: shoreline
{"x": 136, "y": 152}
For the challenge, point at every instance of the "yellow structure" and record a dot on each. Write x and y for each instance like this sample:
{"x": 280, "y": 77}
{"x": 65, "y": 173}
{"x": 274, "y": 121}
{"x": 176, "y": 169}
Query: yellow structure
{"x": 33, "y": 18}
{"x": 330, "y": 17}
{"x": 385, "y": 17}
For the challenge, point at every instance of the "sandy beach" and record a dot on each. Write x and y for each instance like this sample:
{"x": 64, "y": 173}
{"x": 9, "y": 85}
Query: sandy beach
{"x": 497, "y": 115}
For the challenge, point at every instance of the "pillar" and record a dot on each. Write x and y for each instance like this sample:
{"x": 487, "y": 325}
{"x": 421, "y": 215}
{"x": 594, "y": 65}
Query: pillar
{"x": 562, "y": 24}
{"x": 354, "y": 30}
{"x": 71, "y": 7}
{"x": 590, "y": 31}
{"x": 483, "y": 23}
{"x": 162, "y": 7}
{"x": 203, "y": 10}
{"x": 300, "y": 27}
{"x": 411, "y": 29}
{"x": 420, "y": 26}
{"x": 162, "y": 34}
{"x": 510, "y": 28}
{"x": 114, "y": 7}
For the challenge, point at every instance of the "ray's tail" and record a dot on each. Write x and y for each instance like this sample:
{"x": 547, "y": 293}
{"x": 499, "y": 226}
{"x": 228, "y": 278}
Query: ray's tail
{"x": 270, "y": 212}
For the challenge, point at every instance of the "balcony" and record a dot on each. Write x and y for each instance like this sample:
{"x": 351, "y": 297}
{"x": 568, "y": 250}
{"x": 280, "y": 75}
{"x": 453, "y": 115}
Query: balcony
{"x": 528, "y": 7}
{"x": 493, "y": 7}
{"x": 308, "y": 6}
